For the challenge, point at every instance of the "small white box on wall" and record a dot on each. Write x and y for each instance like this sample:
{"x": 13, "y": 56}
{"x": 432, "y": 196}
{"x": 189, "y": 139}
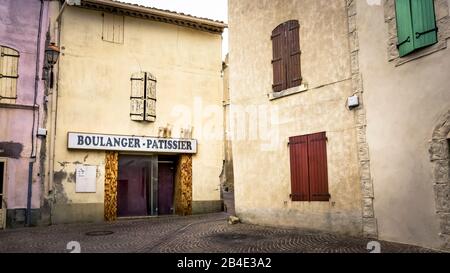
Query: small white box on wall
{"x": 353, "y": 101}
{"x": 86, "y": 178}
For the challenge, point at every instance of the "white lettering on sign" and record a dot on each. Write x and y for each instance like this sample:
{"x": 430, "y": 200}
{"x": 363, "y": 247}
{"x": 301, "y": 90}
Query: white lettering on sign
{"x": 130, "y": 143}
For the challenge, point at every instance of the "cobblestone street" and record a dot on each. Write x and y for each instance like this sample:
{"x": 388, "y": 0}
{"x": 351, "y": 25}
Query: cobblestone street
{"x": 195, "y": 234}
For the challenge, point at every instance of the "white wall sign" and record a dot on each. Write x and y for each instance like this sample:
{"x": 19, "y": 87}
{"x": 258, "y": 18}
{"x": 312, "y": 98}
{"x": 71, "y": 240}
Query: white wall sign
{"x": 85, "y": 177}
{"x": 130, "y": 143}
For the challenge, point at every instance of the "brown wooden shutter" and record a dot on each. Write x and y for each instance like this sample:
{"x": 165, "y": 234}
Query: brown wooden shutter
{"x": 294, "y": 77}
{"x": 318, "y": 173}
{"x": 299, "y": 168}
{"x": 278, "y": 61}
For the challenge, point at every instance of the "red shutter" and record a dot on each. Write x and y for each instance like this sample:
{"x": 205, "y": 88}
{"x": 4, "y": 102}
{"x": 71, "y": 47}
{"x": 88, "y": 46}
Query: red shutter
{"x": 278, "y": 62}
{"x": 318, "y": 173}
{"x": 299, "y": 168}
{"x": 294, "y": 77}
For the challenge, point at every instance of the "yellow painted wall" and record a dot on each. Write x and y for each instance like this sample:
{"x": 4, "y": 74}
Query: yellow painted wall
{"x": 261, "y": 153}
{"x": 94, "y": 94}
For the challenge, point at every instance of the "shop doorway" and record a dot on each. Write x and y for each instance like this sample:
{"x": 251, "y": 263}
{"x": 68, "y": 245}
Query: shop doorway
{"x": 166, "y": 185}
{"x": 2, "y": 197}
{"x": 145, "y": 185}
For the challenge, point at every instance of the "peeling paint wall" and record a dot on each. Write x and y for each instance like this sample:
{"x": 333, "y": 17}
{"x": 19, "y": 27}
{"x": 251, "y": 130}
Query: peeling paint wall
{"x": 19, "y": 23}
{"x": 260, "y": 150}
{"x": 404, "y": 104}
{"x": 94, "y": 94}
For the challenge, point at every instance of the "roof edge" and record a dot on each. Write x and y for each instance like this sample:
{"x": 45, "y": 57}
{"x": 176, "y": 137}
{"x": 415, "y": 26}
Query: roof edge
{"x": 156, "y": 15}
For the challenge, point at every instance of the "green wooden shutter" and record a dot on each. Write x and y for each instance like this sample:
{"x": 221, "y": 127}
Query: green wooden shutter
{"x": 424, "y": 23}
{"x": 405, "y": 37}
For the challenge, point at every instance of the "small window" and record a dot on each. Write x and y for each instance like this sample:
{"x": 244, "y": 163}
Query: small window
{"x": 143, "y": 97}
{"x": 309, "y": 174}
{"x": 416, "y": 25}
{"x": 113, "y": 28}
{"x": 286, "y": 56}
{"x": 9, "y": 62}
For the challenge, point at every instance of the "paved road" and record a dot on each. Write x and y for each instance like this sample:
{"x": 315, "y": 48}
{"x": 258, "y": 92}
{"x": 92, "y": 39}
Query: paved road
{"x": 198, "y": 234}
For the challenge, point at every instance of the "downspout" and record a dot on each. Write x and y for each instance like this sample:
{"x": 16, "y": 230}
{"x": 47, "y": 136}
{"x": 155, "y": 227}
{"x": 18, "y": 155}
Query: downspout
{"x": 36, "y": 89}
{"x": 54, "y": 105}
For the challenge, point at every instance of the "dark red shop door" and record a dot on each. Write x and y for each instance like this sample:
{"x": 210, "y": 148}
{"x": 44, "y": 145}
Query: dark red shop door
{"x": 165, "y": 188}
{"x": 132, "y": 187}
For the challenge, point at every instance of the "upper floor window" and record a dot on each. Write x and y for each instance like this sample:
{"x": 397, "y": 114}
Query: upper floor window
{"x": 9, "y": 62}
{"x": 286, "y": 56}
{"x": 143, "y": 97}
{"x": 113, "y": 28}
{"x": 416, "y": 25}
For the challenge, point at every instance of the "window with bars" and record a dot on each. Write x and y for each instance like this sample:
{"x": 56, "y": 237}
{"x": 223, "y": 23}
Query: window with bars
{"x": 9, "y": 63}
{"x": 286, "y": 56}
{"x": 143, "y": 97}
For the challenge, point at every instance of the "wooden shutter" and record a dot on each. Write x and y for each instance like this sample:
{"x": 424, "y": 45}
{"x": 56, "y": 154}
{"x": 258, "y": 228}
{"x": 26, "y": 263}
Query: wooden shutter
{"x": 9, "y": 62}
{"x": 294, "y": 77}
{"x": 318, "y": 173}
{"x": 424, "y": 23}
{"x": 150, "y": 111}
{"x": 113, "y": 28}
{"x": 278, "y": 61}
{"x": 298, "y": 147}
{"x": 137, "y": 96}
{"x": 405, "y": 37}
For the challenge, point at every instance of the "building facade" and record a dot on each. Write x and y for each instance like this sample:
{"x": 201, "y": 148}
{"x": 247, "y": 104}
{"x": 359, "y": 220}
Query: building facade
{"x": 358, "y": 99}
{"x": 408, "y": 102}
{"x": 290, "y": 79}
{"x": 23, "y": 28}
{"x": 136, "y": 127}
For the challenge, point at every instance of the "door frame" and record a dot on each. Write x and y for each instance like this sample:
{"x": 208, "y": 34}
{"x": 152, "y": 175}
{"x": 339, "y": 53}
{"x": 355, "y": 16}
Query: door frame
{"x": 3, "y": 191}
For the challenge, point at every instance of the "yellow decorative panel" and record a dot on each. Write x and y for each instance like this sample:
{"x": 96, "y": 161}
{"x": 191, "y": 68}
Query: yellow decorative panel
{"x": 183, "y": 186}
{"x": 111, "y": 176}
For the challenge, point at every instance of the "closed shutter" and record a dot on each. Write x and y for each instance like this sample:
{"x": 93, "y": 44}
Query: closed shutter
{"x": 318, "y": 173}
{"x": 113, "y": 26}
{"x": 137, "y": 96}
{"x": 405, "y": 37}
{"x": 294, "y": 77}
{"x": 150, "y": 98}
{"x": 9, "y": 62}
{"x": 424, "y": 23}
{"x": 279, "y": 67}
{"x": 298, "y": 147}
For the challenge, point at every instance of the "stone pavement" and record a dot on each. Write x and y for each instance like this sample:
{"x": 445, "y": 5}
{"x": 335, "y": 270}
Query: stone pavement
{"x": 194, "y": 234}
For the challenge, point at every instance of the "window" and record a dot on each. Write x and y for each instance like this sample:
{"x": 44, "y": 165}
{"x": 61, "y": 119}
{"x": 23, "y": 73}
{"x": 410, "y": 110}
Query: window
{"x": 416, "y": 25}
{"x": 309, "y": 174}
{"x": 286, "y": 56}
{"x": 143, "y": 97}
{"x": 113, "y": 28}
{"x": 9, "y": 62}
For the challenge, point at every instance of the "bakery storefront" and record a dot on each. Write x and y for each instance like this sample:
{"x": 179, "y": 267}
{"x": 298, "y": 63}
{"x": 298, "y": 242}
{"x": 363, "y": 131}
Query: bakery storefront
{"x": 144, "y": 176}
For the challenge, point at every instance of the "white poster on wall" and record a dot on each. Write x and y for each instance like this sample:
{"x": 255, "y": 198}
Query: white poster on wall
{"x": 85, "y": 177}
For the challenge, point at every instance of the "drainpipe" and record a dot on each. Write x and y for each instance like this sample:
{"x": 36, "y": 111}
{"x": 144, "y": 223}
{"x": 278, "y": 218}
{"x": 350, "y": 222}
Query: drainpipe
{"x": 53, "y": 111}
{"x": 36, "y": 89}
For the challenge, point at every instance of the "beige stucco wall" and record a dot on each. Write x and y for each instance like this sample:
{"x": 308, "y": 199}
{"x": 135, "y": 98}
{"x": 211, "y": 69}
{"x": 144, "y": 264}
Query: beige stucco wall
{"x": 404, "y": 104}
{"x": 260, "y": 151}
{"x": 94, "y": 91}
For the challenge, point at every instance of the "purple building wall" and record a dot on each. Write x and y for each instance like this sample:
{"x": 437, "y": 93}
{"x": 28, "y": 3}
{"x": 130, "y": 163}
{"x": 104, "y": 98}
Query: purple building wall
{"x": 19, "y": 28}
